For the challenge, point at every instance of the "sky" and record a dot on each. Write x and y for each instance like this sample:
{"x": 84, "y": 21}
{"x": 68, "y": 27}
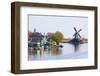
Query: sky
{"x": 64, "y": 24}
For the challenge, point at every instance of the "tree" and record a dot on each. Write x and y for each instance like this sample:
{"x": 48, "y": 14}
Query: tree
{"x": 57, "y": 37}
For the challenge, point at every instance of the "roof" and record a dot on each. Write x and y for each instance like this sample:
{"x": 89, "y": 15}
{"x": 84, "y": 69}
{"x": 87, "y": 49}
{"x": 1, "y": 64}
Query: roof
{"x": 36, "y": 37}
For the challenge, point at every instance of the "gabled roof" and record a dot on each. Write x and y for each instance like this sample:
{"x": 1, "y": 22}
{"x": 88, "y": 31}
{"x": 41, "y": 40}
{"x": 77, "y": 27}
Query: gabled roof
{"x": 36, "y": 37}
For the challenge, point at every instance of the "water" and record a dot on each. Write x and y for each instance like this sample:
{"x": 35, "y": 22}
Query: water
{"x": 69, "y": 51}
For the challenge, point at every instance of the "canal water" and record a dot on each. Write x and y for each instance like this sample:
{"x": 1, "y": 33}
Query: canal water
{"x": 69, "y": 51}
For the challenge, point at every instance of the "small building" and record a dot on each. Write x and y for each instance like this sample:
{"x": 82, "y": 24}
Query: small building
{"x": 36, "y": 38}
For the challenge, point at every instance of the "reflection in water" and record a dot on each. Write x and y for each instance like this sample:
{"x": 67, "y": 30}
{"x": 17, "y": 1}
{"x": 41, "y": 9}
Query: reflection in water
{"x": 76, "y": 47}
{"x": 49, "y": 50}
{"x": 68, "y": 51}
{"x": 56, "y": 51}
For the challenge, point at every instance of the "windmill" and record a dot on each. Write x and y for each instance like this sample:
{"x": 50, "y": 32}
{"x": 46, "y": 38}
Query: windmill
{"x": 77, "y": 37}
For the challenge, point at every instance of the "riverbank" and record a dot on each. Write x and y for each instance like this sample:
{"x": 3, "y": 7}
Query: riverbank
{"x": 84, "y": 40}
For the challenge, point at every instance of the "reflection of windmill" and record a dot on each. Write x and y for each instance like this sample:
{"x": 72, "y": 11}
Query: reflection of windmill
{"x": 77, "y": 37}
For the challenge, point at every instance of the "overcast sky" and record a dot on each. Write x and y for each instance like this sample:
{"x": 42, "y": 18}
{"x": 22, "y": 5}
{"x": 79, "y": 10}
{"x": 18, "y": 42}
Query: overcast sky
{"x": 63, "y": 24}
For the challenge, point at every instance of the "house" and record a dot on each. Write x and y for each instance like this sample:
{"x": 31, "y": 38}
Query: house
{"x": 35, "y": 38}
{"x": 38, "y": 39}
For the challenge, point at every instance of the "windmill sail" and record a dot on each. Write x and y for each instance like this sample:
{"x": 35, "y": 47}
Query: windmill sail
{"x": 77, "y": 33}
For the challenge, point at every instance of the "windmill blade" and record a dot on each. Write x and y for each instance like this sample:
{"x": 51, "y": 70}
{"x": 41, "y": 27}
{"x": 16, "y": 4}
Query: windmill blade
{"x": 75, "y": 29}
{"x": 77, "y": 32}
{"x": 80, "y": 30}
{"x": 79, "y": 35}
